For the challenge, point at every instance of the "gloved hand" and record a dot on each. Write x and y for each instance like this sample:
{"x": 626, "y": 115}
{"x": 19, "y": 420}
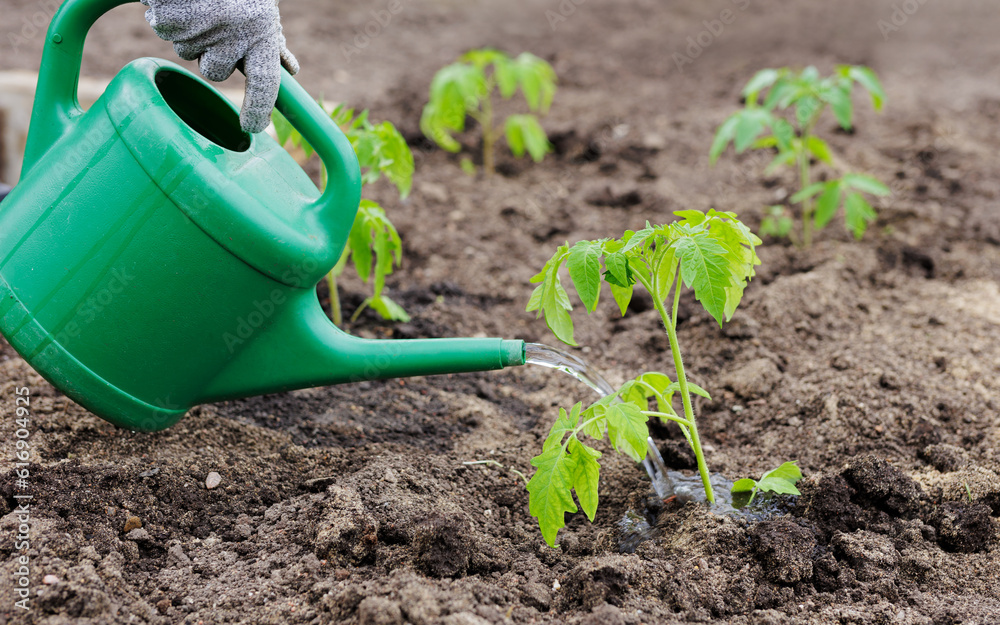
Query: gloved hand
{"x": 220, "y": 33}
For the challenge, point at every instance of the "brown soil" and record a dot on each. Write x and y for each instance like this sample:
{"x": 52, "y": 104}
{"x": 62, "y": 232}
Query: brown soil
{"x": 873, "y": 364}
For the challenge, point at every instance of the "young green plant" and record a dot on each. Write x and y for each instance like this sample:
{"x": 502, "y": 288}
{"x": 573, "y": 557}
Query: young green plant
{"x": 807, "y": 96}
{"x": 373, "y": 245}
{"x": 712, "y": 253}
{"x": 465, "y": 89}
{"x": 781, "y": 480}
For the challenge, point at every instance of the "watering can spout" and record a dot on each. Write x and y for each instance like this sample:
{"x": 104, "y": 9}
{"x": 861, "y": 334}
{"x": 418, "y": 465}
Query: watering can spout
{"x": 303, "y": 349}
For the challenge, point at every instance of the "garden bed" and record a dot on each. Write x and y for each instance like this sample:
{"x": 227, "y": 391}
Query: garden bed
{"x": 874, "y": 364}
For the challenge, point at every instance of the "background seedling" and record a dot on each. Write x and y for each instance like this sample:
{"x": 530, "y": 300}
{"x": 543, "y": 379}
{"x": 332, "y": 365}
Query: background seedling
{"x": 807, "y": 96}
{"x": 382, "y": 151}
{"x": 466, "y": 88}
{"x": 781, "y": 480}
{"x": 713, "y": 254}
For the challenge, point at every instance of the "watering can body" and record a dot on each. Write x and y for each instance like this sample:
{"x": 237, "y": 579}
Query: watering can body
{"x": 154, "y": 256}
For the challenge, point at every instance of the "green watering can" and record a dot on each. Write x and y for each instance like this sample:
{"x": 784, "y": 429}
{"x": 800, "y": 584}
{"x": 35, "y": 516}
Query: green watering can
{"x": 154, "y": 256}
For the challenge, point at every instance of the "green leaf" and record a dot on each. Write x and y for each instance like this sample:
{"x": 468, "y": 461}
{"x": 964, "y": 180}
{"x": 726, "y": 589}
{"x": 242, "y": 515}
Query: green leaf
{"x": 867, "y": 78}
{"x": 594, "y": 427}
{"x": 820, "y": 149}
{"x": 784, "y": 133}
{"x": 787, "y": 471}
{"x": 826, "y": 206}
{"x": 628, "y": 430}
{"x": 697, "y": 390}
{"x": 781, "y": 480}
{"x": 760, "y": 81}
{"x": 745, "y": 485}
{"x": 585, "y": 475}
{"x": 777, "y": 486}
{"x": 664, "y": 269}
{"x": 839, "y": 99}
{"x": 705, "y": 268}
{"x": 691, "y": 217}
{"x": 584, "y": 264}
{"x": 725, "y": 133}
{"x": 537, "y": 79}
{"x": 455, "y": 90}
{"x": 752, "y": 122}
{"x": 282, "y": 127}
{"x": 552, "y": 300}
{"x": 866, "y": 184}
{"x": 622, "y": 296}
{"x": 360, "y": 242}
{"x": 549, "y": 491}
{"x": 618, "y": 271}
{"x": 780, "y": 95}
{"x": 777, "y": 223}
{"x": 564, "y": 424}
{"x": 806, "y": 108}
{"x": 858, "y": 214}
{"x": 524, "y": 132}
{"x": 505, "y": 73}
{"x": 483, "y": 57}
{"x": 813, "y": 189}
{"x": 386, "y": 308}
{"x": 783, "y": 158}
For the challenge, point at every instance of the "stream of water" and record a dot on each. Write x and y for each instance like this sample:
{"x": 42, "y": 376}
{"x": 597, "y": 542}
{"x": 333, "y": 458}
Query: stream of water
{"x": 553, "y": 358}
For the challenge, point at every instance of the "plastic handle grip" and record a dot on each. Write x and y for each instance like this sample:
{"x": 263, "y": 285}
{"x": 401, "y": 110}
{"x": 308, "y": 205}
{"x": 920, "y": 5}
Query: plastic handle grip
{"x": 56, "y": 102}
{"x": 339, "y": 202}
{"x": 56, "y": 105}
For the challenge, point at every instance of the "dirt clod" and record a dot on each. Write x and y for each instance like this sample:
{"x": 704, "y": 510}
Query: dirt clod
{"x": 784, "y": 548}
{"x": 379, "y": 611}
{"x": 882, "y": 485}
{"x": 346, "y": 533}
{"x": 443, "y": 547}
{"x": 964, "y": 527}
{"x": 872, "y": 556}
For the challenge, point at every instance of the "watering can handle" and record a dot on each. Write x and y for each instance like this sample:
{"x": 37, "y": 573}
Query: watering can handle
{"x": 56, "y": 105}
{"x": 338, "y": 203}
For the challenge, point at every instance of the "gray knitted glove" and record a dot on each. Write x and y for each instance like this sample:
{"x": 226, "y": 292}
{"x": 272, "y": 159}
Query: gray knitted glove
{"x": 220, "y": 33}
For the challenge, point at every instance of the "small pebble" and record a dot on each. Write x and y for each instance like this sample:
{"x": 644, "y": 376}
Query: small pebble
{"x": 213, "y": 480}
{"x": 132, "y": 523}
{"x": 556, "y": 585}
{"x": 48, "y": 580}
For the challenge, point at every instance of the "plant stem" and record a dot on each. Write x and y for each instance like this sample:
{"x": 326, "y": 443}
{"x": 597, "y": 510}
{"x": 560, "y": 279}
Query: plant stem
{"x": 804, "y": 182}
{"x": 335, "y": 312}
{"x": 805, "y": 178}
{"x": 488, "y": 135}
{"x": 682, "y": 380}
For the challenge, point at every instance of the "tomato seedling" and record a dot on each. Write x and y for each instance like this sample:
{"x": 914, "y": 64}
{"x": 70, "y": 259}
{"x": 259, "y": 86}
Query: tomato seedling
{"x": 466, "y": 88}
{"x": 382, "y": 151}
{"x": 808, "y": 96}
{"x": 714, "y": 254}
{"x": 781, "y": 480}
